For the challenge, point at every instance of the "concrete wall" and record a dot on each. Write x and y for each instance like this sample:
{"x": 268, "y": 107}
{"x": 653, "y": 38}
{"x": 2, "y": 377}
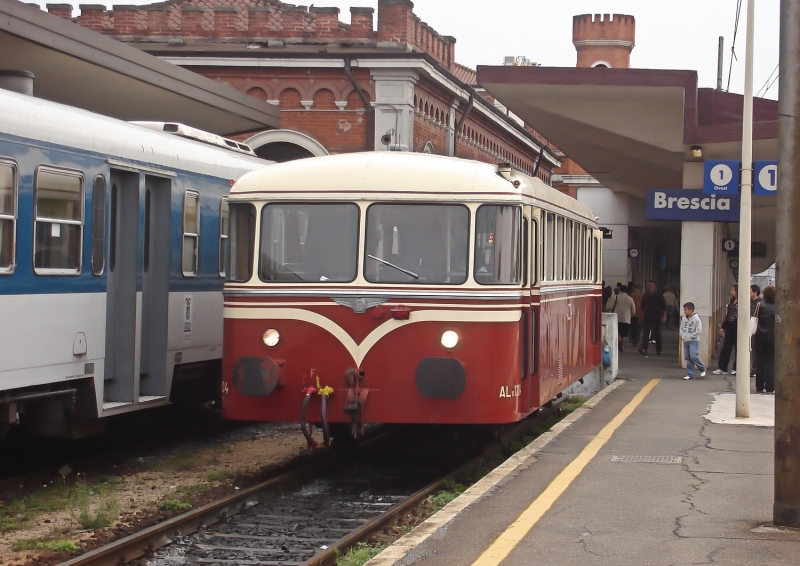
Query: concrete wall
{"x": 601, "y": 377}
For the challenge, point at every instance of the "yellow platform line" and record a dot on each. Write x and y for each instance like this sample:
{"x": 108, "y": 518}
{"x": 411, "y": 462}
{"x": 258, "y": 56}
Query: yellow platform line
{"x": 511, "y": 537}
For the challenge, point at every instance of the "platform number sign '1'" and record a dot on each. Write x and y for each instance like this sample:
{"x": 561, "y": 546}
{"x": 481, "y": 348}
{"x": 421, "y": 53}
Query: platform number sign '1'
{"x": 721, "y": 177}
{"x": 765, "y": 177}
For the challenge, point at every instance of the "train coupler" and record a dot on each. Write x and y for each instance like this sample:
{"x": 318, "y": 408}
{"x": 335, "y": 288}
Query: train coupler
{"x": 356, "y": 399}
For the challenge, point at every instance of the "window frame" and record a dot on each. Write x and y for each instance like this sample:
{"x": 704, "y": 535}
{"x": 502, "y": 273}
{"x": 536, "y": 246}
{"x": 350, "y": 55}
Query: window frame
{"x": 519, "y": 252}
{"x": 259, "y": 230}
{"x": 102, "y": 234}
{"x": 190, "y": 193}
{"x": 54, "y": 170}
{"x": 11, "y": 267}
{"x": 252, "y": 242}
{"x": 534, "y": 252}
{"x": 222, "y": 263}
{"x": 469, "y": 259}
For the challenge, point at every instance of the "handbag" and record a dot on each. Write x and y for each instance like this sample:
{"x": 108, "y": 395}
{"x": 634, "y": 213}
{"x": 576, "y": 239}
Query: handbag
{"x": 754, "y": 321}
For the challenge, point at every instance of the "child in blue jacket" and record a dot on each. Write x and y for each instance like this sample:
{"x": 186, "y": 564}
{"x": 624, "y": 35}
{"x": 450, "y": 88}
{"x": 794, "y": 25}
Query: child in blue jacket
{"x": 691, "y": 327}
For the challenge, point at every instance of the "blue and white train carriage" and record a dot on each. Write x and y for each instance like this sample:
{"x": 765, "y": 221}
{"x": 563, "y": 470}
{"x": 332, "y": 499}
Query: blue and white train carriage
{"x": 111, "y": 263}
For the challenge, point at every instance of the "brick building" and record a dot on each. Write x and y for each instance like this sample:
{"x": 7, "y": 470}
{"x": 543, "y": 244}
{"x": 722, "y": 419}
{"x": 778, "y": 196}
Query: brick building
{"x": 386, "y": 84}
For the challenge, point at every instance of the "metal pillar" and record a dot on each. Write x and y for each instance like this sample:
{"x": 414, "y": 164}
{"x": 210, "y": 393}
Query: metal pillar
{"x": 745, "y": 232}
{"x": 786, "y": 510}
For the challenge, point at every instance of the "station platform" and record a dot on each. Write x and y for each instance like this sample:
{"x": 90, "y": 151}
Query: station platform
{"x": 638, "y": 475}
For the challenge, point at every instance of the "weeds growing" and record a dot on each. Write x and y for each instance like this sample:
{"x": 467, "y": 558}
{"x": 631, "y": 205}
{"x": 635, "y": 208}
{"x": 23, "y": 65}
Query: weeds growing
{"x": 358, "y": 554}
{"x": 174, "y": 505}
{"x": 105, "y": 511}
{"x": 60, "y": 545}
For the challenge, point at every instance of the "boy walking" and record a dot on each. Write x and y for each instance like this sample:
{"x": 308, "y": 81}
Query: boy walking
{"x": 690, "y": 330}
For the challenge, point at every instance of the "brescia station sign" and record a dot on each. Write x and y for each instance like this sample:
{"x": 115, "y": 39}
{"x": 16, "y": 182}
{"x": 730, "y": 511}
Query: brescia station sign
{"x": 692, "y": 205}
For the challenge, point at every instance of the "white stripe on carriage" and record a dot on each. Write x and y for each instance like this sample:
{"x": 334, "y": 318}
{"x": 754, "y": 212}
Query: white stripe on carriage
{"x": 359, "y": 351}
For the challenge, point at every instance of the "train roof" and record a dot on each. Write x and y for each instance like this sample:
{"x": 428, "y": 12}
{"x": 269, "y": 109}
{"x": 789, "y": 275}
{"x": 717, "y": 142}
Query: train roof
{"x": 401, "y": 175}
{"x": 33, "y": 118}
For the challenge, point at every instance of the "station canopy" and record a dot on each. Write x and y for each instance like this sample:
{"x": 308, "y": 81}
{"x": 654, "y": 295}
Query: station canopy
{"x": 631, "y": 129}
{"x": 85, "y": 69}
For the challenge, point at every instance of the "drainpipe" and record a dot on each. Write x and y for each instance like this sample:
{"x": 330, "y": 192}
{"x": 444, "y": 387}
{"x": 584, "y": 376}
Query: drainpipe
{"x": 463, "y": 119}
{"x": 365, "y": 101}
{"x": 538, "y": 161}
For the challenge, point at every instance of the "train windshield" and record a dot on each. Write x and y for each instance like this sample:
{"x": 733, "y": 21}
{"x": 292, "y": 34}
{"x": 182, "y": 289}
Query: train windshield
{"x": 417, "y": 244}
{"x": 305, "y": 243}
{"x": 498, "y": 249}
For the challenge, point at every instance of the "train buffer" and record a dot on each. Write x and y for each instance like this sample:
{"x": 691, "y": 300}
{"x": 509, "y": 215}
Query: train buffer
{"x": 656, "y": 471}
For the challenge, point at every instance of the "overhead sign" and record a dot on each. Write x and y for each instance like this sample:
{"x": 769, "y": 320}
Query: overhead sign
{"x": 720, "y": 177}
{"x": 730, "y": 245}
{"x": 765, "y": 177}
{"x": 734, "y": 264}
{"x": 683, "y": 204}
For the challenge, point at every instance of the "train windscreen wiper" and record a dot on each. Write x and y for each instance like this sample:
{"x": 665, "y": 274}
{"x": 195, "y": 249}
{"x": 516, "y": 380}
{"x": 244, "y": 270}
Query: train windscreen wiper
{"x": 397, "y": 267}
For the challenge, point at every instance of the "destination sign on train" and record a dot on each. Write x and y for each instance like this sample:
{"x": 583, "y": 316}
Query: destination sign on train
{"x": 684, "y": 204}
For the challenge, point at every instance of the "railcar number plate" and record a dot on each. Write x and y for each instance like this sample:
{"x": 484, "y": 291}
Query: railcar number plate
{"x": 510, "y": 391}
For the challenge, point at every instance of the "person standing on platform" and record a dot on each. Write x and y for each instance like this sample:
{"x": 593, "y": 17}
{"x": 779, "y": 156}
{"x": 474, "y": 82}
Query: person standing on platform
{"x": 654, "y": 312}
{"x": 728, "y": 330}
{"x": 623, "y": 306}
{"x": 764, "y": 343}
{"x": 607, "y": 292}
{"x": 755, "y": 300}
{"x": 690, "y": 329}
{"x": 636, "y": 320}
{"x": 672, "y": 306}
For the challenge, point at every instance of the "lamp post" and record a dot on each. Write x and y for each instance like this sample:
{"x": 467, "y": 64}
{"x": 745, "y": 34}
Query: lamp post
{"x": 743, "y": 322}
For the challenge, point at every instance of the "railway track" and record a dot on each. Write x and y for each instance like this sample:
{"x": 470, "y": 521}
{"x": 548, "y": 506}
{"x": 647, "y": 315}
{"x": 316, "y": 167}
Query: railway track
{"x": 303, "y": 517}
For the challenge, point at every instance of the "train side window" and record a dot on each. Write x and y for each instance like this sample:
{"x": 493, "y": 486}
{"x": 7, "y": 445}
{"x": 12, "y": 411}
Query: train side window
{"x": 240, "y": 242}
{"x": 59, "y": 203}
{"x": 525, "y": 262}
{"x": 98, "y": 224}
{"x": 8, "y": 217}
{"x": 534, "y": 252}
{"x": 559, "y": 248}
{"x": 549, "y": 246}
{"x": 497, "y": 245}
{"x": 191, "y": 231}
{"x": 569, "y": 260}
{"x": 223, "y": 234}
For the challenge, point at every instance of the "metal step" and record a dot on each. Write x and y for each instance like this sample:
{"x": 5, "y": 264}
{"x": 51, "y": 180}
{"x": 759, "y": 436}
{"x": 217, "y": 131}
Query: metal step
{"x": 151, "y": 398}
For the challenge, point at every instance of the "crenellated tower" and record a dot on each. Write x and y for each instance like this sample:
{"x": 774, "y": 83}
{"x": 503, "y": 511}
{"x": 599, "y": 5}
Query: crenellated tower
{"x": 604, "y": 40}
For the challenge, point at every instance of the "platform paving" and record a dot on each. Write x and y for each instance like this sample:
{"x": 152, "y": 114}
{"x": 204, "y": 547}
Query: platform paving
{"x": 714, "y": 507}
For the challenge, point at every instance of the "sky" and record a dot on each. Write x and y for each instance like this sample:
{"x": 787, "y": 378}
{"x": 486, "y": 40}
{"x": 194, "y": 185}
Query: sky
{"x": 679, "y": 34}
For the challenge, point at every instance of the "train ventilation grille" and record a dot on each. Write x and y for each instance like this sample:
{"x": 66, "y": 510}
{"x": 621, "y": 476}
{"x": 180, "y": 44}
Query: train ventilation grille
{"x": 648, "y": 459}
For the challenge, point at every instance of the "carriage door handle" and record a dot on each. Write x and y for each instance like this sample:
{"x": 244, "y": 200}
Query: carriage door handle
{"x": 569, "y": 311}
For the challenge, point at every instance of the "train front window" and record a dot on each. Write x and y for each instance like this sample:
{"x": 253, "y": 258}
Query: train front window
{"x": 8, "y": 216}
{"x": 498, "y": 250}
{"x": 309, "y": 243}
{"x": 239, "y": 241}
{"x": 59, "y": 222}
{"x": 417, "y": 244}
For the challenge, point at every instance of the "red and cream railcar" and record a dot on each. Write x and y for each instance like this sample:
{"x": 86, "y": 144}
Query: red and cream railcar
{"x": 405, "y": 288}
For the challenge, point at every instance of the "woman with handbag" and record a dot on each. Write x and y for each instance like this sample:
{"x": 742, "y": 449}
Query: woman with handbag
{"x": 764, "y": 342}
{"x": 728, "y": 329}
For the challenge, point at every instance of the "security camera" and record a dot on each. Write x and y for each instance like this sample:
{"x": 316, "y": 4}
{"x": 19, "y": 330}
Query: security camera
{"x": 386, "y": 139}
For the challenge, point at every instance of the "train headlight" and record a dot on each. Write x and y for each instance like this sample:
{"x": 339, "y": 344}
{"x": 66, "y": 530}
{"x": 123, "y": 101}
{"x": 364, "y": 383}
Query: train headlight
{"x": 449, "y": 339}
{"x": 272, "y": 337}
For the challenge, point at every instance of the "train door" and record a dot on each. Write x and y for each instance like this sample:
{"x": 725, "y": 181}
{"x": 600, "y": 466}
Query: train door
{"x": 528, "y": 334}
{"x": 138, "y": 293}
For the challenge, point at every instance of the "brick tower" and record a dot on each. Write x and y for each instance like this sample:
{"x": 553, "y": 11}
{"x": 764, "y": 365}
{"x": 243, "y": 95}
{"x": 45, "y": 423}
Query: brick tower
{"x": 603, "y": 40}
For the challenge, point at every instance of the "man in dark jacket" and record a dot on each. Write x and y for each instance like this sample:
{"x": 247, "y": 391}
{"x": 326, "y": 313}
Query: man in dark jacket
{"x": 654, "y": 312}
